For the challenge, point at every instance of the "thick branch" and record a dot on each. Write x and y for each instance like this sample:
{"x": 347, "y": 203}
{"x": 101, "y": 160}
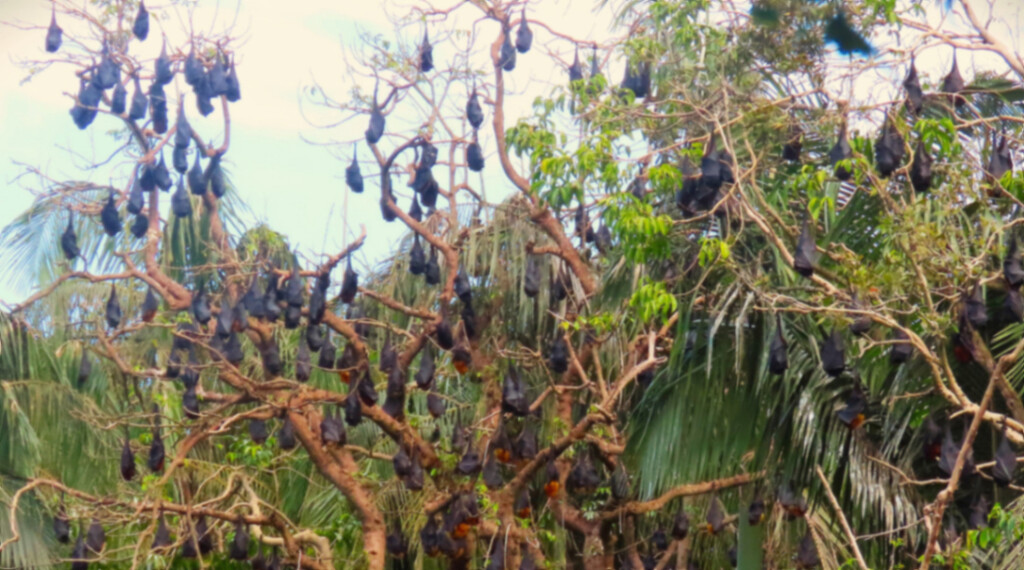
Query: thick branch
{"x": 340, "y": 469}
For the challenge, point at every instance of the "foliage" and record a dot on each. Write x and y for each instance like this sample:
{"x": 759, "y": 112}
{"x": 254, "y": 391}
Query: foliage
{"x": 645, "y": 354}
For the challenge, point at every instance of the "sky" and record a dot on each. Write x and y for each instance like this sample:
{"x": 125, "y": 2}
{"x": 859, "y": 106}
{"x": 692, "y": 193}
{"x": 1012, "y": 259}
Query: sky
{"x": 285, "y": 162}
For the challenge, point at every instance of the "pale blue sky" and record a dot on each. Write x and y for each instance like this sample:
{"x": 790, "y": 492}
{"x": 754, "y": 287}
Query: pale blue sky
{"x": 295, "y": 186}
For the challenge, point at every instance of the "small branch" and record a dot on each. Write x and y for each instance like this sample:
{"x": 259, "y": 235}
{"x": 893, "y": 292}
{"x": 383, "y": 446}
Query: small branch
{"x": 686, "y": 490}
{"x": 395, "y": 305}
{"x": 938, "y": 508}
{"x": 842, "y": 520}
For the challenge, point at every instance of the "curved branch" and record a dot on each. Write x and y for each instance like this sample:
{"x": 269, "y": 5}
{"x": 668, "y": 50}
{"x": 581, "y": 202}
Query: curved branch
{"x": 146, "y": 506}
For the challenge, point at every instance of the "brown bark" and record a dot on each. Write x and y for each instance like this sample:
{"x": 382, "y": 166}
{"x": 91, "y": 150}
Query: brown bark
{"x": 399, "y": 431}
{"x": 339, "y": 468}
{"x": 629, "y": 533}
{"x": 540, "y": 214}
{"x": 687, "y": 490}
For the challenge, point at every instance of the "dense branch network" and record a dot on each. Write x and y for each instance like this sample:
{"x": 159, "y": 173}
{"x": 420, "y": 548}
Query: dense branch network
{"x": 224, "y": 325}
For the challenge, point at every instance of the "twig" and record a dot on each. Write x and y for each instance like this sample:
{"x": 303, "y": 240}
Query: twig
{"x": 842, "y": 519}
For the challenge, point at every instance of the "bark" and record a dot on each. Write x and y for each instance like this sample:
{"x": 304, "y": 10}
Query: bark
{"x": 339, "y": 468}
